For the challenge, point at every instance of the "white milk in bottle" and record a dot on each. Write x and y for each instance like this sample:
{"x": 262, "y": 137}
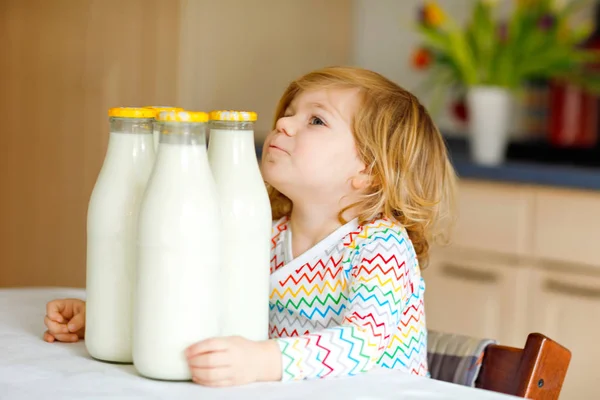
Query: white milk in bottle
{"x": 179, "y": 250}
{"x": 111, "y": 234}
{"x": 157, "y": 110}
{"x": 246, "y": 214}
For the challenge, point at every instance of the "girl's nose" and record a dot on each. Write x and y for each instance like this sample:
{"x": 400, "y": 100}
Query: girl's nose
{"x": 285, "y": 125}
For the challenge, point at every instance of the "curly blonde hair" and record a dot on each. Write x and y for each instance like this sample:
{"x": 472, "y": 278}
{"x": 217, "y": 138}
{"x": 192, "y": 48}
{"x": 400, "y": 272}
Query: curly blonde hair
{"x": 412, "y": 180}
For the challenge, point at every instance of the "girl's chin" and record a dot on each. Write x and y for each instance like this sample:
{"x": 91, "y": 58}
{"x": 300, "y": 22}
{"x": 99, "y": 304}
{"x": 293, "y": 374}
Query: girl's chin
{"x": 277, "y": 185}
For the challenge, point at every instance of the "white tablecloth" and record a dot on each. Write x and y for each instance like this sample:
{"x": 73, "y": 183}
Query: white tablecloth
{"x": 33, "y": 369}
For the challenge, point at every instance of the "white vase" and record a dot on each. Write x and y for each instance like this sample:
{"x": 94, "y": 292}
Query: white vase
{"x": 489, "y": 123}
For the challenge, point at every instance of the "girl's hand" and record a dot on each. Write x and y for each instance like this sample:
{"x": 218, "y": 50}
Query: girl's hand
{"x": 230, "y": 361}
{"x": 65, "y": 320}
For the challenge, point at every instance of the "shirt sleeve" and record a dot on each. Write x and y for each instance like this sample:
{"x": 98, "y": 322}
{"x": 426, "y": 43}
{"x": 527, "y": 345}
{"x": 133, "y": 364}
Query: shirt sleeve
{"x": 378, "y": 291}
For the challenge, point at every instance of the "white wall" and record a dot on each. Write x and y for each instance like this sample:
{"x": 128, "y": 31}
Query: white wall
{"x": 242, "y": 54}
{"x": 384, "y": 39}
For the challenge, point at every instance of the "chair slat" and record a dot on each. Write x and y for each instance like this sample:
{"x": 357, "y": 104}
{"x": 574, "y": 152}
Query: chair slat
{"x": 535, "y": 372}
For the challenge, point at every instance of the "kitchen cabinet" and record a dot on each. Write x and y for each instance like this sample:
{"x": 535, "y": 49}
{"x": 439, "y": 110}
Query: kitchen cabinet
{"x": 475, "y": 296}
{"x": 567, "y": 226}
{"x": 494, "y": 217}
{"x": 566, "y": 307}
{"x": 523, "y": 259}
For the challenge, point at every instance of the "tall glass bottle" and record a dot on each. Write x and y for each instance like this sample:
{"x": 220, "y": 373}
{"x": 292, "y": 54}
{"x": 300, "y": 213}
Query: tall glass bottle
{"x": 246, "y": 213}
{"x": 179, "y": 251}
{"x": 111, "y": 234}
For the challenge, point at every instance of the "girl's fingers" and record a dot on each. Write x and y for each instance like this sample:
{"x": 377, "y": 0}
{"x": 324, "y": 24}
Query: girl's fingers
{"x": 207, "y": 346}
{"x": 218, "y": 359}
{"x": 76, "y": 323}
{"x": 48, "y": 337}
{"x": 66, "y": 337}
{"x": 210, "y": 376}
{"x": 54, "y": 310}
{"x": 80, "y": 333}
{"x": 55, "y": 327}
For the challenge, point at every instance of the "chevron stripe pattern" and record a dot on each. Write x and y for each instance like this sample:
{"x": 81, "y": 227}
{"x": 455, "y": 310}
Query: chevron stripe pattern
{"x": 355, "y": 304}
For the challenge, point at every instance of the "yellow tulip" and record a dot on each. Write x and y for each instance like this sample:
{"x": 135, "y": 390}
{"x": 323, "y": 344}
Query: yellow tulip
{"x": 433, "y": 15}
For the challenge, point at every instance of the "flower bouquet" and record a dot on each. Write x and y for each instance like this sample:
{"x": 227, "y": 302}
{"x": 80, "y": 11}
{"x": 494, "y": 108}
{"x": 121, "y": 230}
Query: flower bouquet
{"x": 488, "y": 58}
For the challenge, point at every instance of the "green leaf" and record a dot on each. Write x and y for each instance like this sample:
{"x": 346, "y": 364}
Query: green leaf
{"x": 434, "y": 38}
{"x": 474, "y": 54}
{"x": 461, "y": 52}
{"x": 484, "y": 35}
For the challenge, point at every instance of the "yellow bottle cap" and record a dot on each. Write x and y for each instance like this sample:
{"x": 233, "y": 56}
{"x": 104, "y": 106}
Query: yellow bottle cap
{"x": 131, "y": 112}
{"x": 231, "y": 115}
{"x": 158, "y": 109}
{"x": 182, "y": 116}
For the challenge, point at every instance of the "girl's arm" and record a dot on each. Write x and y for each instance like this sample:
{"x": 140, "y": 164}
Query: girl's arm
{"x": 381, "y": 287}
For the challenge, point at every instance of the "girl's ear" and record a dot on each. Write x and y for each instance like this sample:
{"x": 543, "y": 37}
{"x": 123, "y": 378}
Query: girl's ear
{"x": 361, "y": 181}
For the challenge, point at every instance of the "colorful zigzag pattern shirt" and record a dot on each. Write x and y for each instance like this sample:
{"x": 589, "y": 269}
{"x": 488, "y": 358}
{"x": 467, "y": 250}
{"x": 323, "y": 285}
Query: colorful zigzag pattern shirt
{"x": 351, "y": 303}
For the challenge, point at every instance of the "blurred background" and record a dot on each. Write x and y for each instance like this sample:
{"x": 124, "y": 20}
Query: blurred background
{"x": 511, "y": 84}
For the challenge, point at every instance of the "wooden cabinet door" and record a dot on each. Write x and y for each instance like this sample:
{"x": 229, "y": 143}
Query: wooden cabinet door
{"x": 479, "y": 297}
{"x": 494, "y": 218}
{"x": 566, "y": 308}
{"x": 63, "y": 64}
{"x": 575, "y": 214}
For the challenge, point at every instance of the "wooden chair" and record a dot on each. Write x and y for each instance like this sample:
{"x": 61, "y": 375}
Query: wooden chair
{"x": 535, "y": 372}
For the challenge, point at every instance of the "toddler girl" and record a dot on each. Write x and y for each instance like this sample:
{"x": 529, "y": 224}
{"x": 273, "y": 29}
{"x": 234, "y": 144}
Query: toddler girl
{"x": 359, "y": 181}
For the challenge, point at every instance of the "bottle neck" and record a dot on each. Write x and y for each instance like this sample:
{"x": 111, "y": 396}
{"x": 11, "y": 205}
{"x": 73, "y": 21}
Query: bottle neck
{"x": 130, "y": 138}
{"x": 131, "y": 125}
{"x": 182, "y": 133}
{"x": 134, "y": 149}
{"x": 232, "y": 146}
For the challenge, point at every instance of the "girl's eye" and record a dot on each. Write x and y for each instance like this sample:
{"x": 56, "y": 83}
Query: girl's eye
{"x": 317, "y": 121}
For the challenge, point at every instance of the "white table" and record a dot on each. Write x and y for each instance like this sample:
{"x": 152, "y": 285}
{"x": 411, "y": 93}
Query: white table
{"x": 33, "y": 369}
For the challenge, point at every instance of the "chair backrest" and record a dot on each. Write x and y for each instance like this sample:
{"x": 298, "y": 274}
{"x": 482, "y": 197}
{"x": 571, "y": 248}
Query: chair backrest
{"x": 535, "y": 372}
{"x": 455, "y": 358}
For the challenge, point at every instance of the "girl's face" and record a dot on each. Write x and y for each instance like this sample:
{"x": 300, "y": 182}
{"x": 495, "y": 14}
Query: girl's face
{"x": 311, "y": 154}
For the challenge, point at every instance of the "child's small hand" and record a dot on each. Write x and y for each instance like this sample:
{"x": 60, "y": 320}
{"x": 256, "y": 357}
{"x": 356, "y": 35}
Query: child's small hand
{"x": 230, "y": 361}
{"x": 65, "y": 320}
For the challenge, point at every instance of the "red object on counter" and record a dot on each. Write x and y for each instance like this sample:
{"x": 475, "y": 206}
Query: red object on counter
{"x": 573, "y": 116}
{"x": 574, "y": 113}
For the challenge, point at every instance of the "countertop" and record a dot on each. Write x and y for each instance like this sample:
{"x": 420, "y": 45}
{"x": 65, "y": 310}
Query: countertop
{"x": 529, "y": 164}
{"x": 33, "y": 369}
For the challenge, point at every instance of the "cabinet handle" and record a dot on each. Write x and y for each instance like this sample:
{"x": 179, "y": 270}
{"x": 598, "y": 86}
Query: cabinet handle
{"x": 561, "y": 287}
{"x": 469, "y": 274}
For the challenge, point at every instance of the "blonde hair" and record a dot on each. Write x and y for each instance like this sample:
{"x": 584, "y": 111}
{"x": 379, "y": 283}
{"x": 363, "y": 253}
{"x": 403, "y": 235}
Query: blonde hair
{"x": 412, "y": 180}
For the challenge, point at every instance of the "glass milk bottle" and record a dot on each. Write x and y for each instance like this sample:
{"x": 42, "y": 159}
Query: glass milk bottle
{"x": 246, "y": 214}
{"x": 179, "y": 250}
{"x": 157, "y": 110}
{"x": 111, "y": 234}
